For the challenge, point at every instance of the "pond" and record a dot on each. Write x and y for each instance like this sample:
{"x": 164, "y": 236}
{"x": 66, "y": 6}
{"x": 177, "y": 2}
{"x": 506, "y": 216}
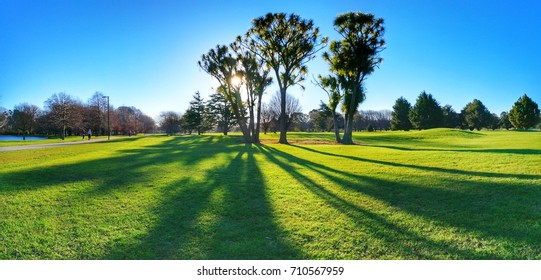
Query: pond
{"x": 20, "y": 138}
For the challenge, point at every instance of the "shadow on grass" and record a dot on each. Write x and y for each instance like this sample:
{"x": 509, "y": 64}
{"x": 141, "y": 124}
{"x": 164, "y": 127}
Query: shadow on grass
{"x": 226, "y": 215}
{"x": 429, "y": 168}
{"x": 461, "y": 150}
{"x": 489, "y": 210}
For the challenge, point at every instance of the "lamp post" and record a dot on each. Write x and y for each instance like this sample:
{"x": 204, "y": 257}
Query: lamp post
{"x": 108, "y": 123}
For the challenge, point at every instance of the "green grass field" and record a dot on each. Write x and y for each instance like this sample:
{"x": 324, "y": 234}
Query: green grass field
{"x": 46, "y": 141}
{"x": 436, "y": 194}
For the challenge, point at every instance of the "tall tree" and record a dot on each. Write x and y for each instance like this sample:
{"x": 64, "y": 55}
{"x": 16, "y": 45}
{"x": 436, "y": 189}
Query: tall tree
{"x": 426, "y": 113}
{"x": 476, "y": 115}
{"x": 353, "y": 58}
{"x": 285, "y": 43}
{"x": 97, "y": 109}
{"x": 220, "y": 109}
{"x": 197, "y": 116}
{"x": 223, "y": 65}
{"x": 170, "y": 122}
{"x": 63, "y": 112}
{"x": 524, "y": 113}
{"x": 255, "y": 79}
{"x": 400, "y": 119}
{"x": 24, "y": 118}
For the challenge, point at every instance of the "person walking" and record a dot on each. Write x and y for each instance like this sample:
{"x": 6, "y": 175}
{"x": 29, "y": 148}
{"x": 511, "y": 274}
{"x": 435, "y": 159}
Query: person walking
{"x": 83, "y": 133}
{"x": 89, "y": 134}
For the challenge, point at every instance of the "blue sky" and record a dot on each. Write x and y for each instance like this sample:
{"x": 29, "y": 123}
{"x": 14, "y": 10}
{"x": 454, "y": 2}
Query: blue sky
{"x": 145, "y": 53}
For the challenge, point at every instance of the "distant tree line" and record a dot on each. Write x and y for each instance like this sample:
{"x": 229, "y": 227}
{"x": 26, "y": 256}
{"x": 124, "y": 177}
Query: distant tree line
{"x": 63, "y": 115}
{"x": 427, "y": 113}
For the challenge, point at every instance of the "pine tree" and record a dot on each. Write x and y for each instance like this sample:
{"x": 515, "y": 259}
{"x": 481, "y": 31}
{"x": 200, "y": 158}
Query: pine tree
{"x": 400, "y": 119}
{"x": 525, "y": 113}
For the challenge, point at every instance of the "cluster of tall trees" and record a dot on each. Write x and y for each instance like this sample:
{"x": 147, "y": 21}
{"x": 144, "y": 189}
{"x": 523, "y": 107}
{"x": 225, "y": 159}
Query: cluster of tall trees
{"x": 427, "y": 113}
{"x": 278, "y": 47}
{"x": 65, "y": 115}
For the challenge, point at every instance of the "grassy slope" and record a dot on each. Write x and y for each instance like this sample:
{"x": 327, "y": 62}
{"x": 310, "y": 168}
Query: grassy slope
{"x": 439, "y": 194}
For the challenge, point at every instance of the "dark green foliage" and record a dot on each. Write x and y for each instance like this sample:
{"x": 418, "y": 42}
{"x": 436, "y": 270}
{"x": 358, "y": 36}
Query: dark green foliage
{"x": 494, "y": 121}
{"x": 504, "y": 121}
{"x": 525, "y": 113}
{"x": 400, "y": 119}
{"x": 197, "y": 117}
{"x": 426, "y": 113}
{"x": 451, "y": 119}
{"x": 353, "y": 58}
{"x": 476, "y": 115}
{"x": 221, "y": 111}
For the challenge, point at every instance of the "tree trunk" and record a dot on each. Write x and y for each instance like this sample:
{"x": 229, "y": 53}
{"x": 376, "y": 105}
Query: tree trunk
{"x": 283, "y": 121}
{"x": 348, "y": 129}
{"x": 251, "y": 109}
{"x": 336, "y": 129}
{"x": 255, "y": 136}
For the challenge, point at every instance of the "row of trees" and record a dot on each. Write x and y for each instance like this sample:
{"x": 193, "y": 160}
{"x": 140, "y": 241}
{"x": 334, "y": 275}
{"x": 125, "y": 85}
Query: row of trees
{"x": 427, "y": 113}
{"x": 65, "y": 115}
{"x": 217, "y": 114}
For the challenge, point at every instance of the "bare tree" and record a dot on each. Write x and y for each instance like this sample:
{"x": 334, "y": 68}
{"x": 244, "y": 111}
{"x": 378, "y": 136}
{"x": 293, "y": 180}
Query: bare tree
{"x": 62, "y": 111}
{"x": 3, "y": 117}
{"x": 24, "y": 118}
{"x": 292, "y": 108}
{"x": 170, "y": 122}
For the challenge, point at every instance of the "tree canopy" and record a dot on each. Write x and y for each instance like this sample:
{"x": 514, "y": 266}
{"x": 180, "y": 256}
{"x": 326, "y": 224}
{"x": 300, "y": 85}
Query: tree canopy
{"x": 285, "y": 43}
{"x": 524, "y": 113}
{"x": 426, "y": 113}
{"x": 353, "y": 58}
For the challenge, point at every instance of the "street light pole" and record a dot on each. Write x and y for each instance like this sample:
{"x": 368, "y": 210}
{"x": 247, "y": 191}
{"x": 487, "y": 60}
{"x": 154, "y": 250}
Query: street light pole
{"x": 108, "y": 123}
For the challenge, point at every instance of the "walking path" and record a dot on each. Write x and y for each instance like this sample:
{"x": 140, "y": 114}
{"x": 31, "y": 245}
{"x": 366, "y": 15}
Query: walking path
{"x": 39, "y": 146}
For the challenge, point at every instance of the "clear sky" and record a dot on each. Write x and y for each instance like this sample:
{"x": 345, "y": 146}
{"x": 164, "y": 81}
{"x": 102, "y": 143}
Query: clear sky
{"x": 145, "y": 53}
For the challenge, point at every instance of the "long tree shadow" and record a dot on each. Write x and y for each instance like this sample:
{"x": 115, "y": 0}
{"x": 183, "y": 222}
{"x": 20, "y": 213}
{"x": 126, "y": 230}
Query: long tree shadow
{"x": 428, "y": 168}
{"x": 482, "y": 210}
{"x": 462, "y": 150}
{"x": 225, "y": 216}
{"x": 192, "y": 218}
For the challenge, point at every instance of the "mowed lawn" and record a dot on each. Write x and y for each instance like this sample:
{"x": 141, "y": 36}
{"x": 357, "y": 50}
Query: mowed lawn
{"x": 436, "y": 194}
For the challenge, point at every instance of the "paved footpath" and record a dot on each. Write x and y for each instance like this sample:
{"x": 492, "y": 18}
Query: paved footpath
{"x": 39, "y": 146}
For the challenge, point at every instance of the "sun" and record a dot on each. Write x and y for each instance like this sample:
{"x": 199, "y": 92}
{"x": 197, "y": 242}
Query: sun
{"x": 236, "y": 81}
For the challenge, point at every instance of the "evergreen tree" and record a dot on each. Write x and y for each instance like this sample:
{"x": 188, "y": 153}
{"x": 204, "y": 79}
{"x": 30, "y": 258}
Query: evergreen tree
{"x": 426, "y": 113}
{"x": 524, "y": 114}
{"x": 400, "y": 119}
{"x": 504, "y": 120}
{"x": 451, "y": 119}
{"x": 476, "y": 115}
{"x": 221, "y": 112}
{"x": 197, "y": 117}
